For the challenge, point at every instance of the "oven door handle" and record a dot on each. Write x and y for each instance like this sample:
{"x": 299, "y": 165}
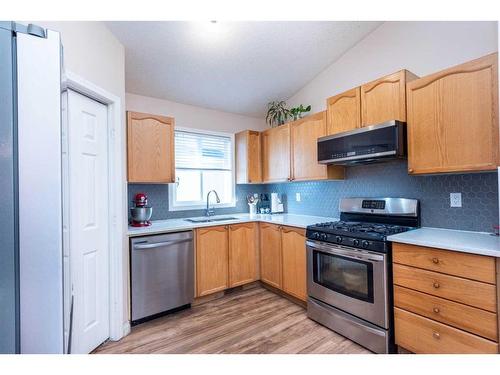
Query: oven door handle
{"x": 347, "y": 252}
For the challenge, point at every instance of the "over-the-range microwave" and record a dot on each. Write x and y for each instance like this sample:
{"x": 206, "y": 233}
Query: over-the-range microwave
{"x": 369, "y": 144}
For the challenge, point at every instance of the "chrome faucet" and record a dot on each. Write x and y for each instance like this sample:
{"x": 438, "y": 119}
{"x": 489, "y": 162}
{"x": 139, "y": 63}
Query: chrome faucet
{"x": 210, "y": 212}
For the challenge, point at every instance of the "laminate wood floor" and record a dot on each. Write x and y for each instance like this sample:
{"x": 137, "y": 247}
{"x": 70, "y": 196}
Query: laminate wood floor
{"x": 246, "y": 321}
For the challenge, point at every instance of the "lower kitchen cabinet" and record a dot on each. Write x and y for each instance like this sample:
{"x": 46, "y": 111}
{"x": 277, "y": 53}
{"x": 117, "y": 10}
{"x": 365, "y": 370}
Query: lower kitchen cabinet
{"x": 270, "y": 254}
{"x": 212, "y": 260}
{"x": 226, "y": 256}
{"x": 445, "y": 301}
{"x": 283, "y": 259}
{"x": 243, "y": 254}
{"x": 294, "y": 262}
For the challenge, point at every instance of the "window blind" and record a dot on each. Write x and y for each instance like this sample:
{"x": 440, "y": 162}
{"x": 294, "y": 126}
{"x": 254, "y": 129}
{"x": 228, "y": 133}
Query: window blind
{"x": 202, "y": 151}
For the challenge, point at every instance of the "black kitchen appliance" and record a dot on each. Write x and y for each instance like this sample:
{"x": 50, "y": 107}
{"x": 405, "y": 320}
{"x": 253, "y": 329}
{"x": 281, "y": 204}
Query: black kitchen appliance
{"x": 369, "y": 144}
{"x": 349, "y": 268}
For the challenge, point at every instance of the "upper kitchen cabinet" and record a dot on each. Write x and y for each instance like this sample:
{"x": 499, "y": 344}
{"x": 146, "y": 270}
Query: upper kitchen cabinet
{"x": 344, "y": 111}
{"x": 304, "y": 134}
{"x": 453, "y": 119}
{"x": 384, "y": 99}
{"x": 276, "y": 154}
{"x": 248, "y": 157}
{"x": 150, "y": 148}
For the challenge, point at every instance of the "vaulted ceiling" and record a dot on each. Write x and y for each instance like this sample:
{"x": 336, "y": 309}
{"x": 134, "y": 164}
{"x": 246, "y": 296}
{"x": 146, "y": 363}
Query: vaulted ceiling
{"x": 231, "y": 66}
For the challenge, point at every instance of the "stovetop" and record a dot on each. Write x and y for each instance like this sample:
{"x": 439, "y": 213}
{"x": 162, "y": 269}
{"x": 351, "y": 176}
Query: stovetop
{"x": 356, "y": 228}
{"x": 364, "y": 235}
{"x": 365, "y": 223}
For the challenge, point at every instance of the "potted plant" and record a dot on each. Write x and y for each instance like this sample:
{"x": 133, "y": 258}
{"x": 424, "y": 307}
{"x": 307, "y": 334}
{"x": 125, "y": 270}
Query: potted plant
{"x": 297, "y": 112}
{"x": 277, "y": 113}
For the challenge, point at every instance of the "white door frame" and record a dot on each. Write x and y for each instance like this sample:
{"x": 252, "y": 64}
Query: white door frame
{"x": 119, "y": 325}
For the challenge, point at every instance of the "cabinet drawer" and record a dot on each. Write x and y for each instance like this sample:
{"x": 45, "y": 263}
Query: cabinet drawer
{"x": 473, "y": 293}
{"x": 422, "y": 335}
{"x": 470, "y": 266}
{"x": 477, "y": 321}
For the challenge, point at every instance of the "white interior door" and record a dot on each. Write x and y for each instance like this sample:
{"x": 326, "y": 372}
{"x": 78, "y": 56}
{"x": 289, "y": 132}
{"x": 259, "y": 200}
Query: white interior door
{"x": 87, "y": 164}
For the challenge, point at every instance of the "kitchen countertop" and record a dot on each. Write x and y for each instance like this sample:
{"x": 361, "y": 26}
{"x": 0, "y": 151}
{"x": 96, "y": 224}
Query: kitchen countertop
{"x": 480, "y": 243}
{"x": 176, "y": 225}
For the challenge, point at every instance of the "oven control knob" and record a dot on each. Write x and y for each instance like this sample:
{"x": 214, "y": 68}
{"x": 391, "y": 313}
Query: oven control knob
{"x": 355, "y": 242}
{"x": 315, "y": 235}
{"x": 324, "y": 236}
{"x": 338, "y": 239}
{"x": 365, "y": 244}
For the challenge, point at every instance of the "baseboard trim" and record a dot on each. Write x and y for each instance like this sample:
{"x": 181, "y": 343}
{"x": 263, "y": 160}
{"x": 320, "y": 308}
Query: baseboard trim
{"x": 284, "y": 294}
{"x": 200, "y": 300}
{"x": 126, "y": 329}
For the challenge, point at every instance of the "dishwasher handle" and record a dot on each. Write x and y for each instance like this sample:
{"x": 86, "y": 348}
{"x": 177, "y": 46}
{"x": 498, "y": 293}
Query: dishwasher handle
{"x": 160, "y": 244}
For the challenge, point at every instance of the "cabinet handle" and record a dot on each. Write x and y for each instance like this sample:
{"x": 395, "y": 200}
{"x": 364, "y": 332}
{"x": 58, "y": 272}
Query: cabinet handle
{"x": 436, "y": 335}
{"x": 226, "y": 226}
{"x": 436, "y": 285}
{"x": 435, "y": 260}
{"x": 436, "y": 310}
{"x": 410, "y": 170}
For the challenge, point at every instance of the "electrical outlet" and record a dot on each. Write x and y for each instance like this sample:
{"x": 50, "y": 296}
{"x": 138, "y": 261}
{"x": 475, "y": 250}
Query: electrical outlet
{"x": 297, "y": 197}
{"x": 455, "y": 199}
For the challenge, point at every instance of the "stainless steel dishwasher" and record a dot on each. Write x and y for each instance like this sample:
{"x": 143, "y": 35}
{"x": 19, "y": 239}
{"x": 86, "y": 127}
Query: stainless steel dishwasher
{"x": 162, "y": 274}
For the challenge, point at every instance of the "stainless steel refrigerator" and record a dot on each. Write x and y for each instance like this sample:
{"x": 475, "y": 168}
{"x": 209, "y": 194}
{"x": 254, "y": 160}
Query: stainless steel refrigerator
{"x": 31, "y": 261}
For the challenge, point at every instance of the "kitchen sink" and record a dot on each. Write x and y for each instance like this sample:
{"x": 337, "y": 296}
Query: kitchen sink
{"x": 209, "y": 219}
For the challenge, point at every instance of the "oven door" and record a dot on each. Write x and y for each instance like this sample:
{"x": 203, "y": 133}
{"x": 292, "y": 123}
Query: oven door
{"x": 352, "y": 280}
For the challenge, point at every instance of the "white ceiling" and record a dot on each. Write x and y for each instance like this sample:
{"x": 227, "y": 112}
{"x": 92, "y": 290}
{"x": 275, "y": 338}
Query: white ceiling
{"x": 230, "y": 66}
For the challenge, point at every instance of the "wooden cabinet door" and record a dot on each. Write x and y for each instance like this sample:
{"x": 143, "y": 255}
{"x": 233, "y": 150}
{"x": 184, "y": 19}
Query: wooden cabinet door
{"x": 385, "y": 98}
{"x": 304, "y": 134}
{"x": 276, "y": 154}
{"x": 150, "y": 148}
{"x": 294, "y": 262}
{"x": 211, "y": 260}
{"x": 453, "y": 119}
{"x": 243, "y": 254}
{"x": 270, "y": 254}
{"x": 248, "y": 157}
{"x": 344, "y": 111}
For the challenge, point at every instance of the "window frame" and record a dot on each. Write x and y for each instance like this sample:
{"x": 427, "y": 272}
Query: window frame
{"x": 172, "y": 206}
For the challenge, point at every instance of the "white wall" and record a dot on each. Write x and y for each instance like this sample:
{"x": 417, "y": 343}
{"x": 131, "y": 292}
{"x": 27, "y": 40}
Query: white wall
{"x": 188, "y": 116}
{"x": 420, "y": 47}
{"x": 92, "y": 52}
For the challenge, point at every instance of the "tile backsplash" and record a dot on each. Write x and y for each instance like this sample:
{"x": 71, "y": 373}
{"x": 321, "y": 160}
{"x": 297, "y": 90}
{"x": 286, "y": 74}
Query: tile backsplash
{"x": 158, "y": 199}
{"x": 479, "y": 211}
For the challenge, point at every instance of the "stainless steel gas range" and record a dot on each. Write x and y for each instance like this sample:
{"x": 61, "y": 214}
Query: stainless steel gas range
{"x": 349, "y": 272}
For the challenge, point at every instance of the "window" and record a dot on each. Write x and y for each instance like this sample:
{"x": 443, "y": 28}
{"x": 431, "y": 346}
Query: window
{"x": 203, "y": 162}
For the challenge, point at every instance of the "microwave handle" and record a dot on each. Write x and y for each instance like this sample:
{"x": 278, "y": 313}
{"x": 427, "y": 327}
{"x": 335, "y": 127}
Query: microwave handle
{"x": 346, "y": 252}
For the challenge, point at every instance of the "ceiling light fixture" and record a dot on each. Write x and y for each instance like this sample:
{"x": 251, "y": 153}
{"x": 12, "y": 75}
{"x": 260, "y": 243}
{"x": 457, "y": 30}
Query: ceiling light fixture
{"x": 212, "y": 32}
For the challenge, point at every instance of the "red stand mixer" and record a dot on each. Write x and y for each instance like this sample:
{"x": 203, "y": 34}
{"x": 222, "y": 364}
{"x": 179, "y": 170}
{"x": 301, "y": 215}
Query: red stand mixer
{"x": 141, "y": 213}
